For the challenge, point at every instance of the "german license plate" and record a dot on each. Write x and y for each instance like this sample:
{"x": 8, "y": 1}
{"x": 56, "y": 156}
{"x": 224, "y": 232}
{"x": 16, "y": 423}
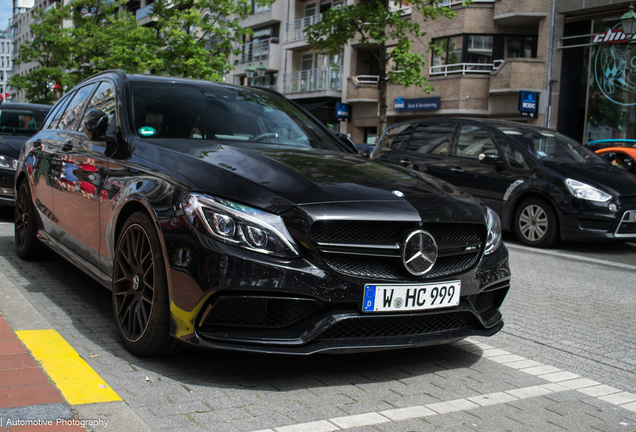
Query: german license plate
{"x": 392, "y": 298}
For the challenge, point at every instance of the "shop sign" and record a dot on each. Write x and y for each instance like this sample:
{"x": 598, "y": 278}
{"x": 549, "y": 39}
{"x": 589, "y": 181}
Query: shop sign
{"x": 343, "y": 111}
{"x": 421, "y": 104}
{"x": 528, "y": 103}
{"x": 616, "y": 36}
{"x": 25, "y": 3}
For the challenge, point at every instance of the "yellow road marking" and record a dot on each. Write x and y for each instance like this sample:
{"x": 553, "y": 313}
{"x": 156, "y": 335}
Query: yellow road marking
{"x": 77, "y": 381}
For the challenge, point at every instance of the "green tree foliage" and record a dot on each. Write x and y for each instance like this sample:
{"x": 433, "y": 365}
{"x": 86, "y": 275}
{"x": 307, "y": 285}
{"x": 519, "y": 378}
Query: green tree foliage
{"x": 372, "y": 24}
{"x": 72, "y": 42}
{"x": 198, "y": 36}
{"x": 51, "y": 49}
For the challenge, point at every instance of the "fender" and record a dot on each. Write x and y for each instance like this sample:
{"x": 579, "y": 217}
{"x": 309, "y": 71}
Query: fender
{"x": 521, "y": 189}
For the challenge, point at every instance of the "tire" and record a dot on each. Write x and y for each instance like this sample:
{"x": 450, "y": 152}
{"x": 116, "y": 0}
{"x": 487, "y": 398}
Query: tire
{"x": 536, "y": 224}
{"x": 140, "y": 290}
{"x": 27, "y": 244}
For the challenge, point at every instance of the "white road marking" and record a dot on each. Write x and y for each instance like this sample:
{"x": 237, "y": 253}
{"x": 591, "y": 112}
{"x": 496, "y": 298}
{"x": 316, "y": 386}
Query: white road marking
{"x": 558, "y": 381}
{"x": 571, "y": 256}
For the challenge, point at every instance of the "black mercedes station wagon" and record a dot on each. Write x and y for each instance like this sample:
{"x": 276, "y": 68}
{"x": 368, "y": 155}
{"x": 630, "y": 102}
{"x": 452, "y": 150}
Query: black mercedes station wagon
{"x": 227, "y": 217}
{"x": 544, "y": 186}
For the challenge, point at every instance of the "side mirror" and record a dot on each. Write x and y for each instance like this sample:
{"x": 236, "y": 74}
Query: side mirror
{"x": 347, "y": 142}
{"x": 489, "y": 158}
{"x": 95, "y": 125}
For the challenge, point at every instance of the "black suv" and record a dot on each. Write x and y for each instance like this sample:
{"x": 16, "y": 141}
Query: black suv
{"x": 227, "y": 217}
{"x": 543, "y": 185}
{"x": 18, "y": 122}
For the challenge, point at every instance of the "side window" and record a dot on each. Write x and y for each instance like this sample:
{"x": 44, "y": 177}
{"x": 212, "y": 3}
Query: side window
{"x": 103, "y": 100}
{"x": 56, "y": 113}
{"x": 432, "y": 138}
{"x": 474, "y": 141}
{"x": 74, "y": 108}
{"x": 395, "y": 139}
{"x": 511, "y": 154}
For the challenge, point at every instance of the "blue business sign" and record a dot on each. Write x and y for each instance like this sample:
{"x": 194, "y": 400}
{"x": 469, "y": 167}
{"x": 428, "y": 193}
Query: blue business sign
{"x": 528, "y": 103}
{"x": 422, "y": 104}
{"x": 343, "y": 111}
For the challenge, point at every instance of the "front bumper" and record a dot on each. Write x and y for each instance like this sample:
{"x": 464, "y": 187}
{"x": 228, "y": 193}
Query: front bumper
{"x": 7, "y": 192}
{"x": 594, "y": 227}
{"x": 229, "y": 298}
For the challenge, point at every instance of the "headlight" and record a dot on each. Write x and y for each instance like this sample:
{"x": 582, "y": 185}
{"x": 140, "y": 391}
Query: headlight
{"x": 493, "y": 241}
{"x": 585, "y": 191}
{"x": 7, "y": 162}
{"x": 242, "y": 226}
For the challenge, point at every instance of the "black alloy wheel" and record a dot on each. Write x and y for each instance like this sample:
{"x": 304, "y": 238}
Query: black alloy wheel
{"x": 26, "y": 242}
{"x": 536, "y": 224}
{"x": 140, "y": 289}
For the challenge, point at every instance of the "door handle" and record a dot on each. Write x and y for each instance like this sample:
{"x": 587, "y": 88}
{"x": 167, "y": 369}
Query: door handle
{"x": 37, "y": 143}
{"x": 457, "y": 169}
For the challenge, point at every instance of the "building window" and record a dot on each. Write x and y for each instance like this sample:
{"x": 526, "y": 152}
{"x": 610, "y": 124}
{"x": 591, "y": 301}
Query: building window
{"x": 448, "y": 50}
{"x": 482, "y": 49}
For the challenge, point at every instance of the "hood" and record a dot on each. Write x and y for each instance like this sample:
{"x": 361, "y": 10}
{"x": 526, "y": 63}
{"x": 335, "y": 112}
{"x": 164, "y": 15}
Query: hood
{"x": 8, "y": 150}
{"x": 277, "y": 178}
{"x": 14, "y": 141}
{"x": 605, "y": 177}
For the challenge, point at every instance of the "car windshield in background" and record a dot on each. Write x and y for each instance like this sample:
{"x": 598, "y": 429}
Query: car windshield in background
{"x": 549, "y": 146}
{"x": 218, "y": 113}
{"x": 20, "y": 121}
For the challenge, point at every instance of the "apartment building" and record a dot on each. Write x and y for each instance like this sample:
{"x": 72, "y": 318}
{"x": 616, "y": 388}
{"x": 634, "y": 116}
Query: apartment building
{"x": 491, "y": 51}
{"x": 5, "y": 60}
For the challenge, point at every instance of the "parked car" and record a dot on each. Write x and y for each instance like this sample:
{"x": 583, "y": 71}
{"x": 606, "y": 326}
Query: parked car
{"x": 614, "y": 142}
{"x": 227, "y": 217}
{"x": 365, "y": 149}
{"x": 17, "y": 123}
{"x": 621, "y": 157}
{"x": 543, "y": 185}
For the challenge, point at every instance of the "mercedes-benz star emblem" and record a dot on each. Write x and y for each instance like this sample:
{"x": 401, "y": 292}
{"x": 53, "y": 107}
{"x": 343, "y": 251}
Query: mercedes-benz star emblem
{"x": 419, "y": 252}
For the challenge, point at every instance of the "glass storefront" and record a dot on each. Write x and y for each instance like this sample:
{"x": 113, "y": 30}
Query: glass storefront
{"x": 610, "y": 110}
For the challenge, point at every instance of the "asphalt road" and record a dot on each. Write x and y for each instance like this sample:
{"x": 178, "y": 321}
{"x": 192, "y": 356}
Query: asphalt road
{"x": 570, "y": 310}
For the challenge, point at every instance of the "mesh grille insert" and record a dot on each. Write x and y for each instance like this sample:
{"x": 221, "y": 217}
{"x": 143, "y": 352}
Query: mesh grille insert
{"x": 378, "y": 327}
{"x": 392, "y": 268}
{"x": 258, "y": 312}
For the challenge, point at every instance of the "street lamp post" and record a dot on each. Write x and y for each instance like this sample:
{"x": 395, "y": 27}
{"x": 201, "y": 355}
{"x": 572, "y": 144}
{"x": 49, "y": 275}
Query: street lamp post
{"x": 629, "y": 22}
{"x": 259, "y": 72}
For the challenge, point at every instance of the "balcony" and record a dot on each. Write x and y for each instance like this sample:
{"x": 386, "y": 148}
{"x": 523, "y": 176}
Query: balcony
{"x": 313, "y": 80}
{"x": 515, "y": 13}
{"x": 463, "y": 68}
{"x": 142, "y": 15}
{"x": 295, "y": 30}
{"x": 362, "y": 88}
{"x": 518, "y": 74}
{"x": 256, "y": 51}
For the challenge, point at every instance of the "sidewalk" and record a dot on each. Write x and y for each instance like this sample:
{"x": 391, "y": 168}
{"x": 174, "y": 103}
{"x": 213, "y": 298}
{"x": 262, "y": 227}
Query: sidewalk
{"x": 28, "y": 401}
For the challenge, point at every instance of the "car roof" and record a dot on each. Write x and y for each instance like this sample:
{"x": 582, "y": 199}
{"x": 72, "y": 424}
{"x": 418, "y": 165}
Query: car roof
{"x": 15, "y": 105}
{"x": 115, "y": 73}
{"x": 494, "y": 123}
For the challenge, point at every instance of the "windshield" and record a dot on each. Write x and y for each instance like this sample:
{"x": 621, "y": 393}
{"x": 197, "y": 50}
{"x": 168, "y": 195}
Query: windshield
{"x": 547, "y": 145}
{"x": 218, "y": 113}
{"x": 14, "y": 121}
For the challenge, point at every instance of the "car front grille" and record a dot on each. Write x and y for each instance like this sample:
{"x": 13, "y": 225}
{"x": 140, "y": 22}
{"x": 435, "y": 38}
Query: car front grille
{"x": 372, "y": 250}
{"x": 257, "y": 312}
{"x": 396, "y": 326}
{"x": 628, "y": 224}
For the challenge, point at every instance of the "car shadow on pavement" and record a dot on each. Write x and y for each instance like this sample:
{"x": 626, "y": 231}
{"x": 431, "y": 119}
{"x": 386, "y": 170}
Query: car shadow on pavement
{"x": 80, "y": 309}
